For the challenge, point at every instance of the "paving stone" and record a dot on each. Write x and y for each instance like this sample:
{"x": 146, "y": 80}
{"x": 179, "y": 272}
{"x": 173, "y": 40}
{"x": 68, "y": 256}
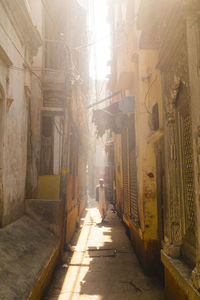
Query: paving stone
{"x": 94, "y": 273}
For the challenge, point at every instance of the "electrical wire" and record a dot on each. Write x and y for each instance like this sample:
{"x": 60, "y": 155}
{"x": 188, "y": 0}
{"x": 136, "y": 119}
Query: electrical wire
{"x": 52, "y": 20}
{"x": 27, "y": 65}
{"x": 65, "y": 43}
{"x": 58, "y": 33}
{"x": 22, "y": 56}
{"x": 25, "y": 62}
{"x": 120, "y": 29}
{"x": 74, "y": 68}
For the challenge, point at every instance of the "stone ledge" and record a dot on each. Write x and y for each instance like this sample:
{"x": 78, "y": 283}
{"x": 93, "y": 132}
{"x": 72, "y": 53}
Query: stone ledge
{"x": 45, "y": 212}
{"x": 45, "y": 277}
{"x": 181, "y": 274}
{"x": 25, "y": 248}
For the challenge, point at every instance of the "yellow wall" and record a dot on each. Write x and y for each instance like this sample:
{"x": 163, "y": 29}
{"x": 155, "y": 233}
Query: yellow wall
{"x": 134, "y": 71}
{"x": 145, "y": 86}
{"x": 49, "y": 187}
{"x": 148, "y": 94}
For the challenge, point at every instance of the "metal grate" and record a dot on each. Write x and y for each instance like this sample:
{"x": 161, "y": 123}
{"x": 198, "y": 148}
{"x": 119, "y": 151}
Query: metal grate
{"x": 133, "y": 171}
{"x": 125, "y": 173}
{"x": 188, "y": 175}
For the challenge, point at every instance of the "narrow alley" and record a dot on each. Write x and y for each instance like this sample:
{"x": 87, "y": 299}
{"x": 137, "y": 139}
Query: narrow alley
{"x": 99, "y": 108}
{"x": 102, "y": 264}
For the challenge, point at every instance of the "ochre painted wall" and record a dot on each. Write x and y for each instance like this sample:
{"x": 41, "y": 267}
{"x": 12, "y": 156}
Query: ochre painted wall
{"x": 44, "y": 277}
{"x": 144, "y": 83}
{"x": 72, "y": 218}
{"x": 49, "y": 187}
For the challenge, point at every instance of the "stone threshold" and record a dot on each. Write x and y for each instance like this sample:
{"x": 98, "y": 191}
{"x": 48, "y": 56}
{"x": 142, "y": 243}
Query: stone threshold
{"x": 181, "y": 274}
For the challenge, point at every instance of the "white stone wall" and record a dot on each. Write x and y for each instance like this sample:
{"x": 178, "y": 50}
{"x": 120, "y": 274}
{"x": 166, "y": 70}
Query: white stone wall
{"x": 14, "y": 131}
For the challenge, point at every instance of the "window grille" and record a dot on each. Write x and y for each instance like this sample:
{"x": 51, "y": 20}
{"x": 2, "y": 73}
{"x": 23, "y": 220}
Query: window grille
{"x": 188, "y": 175}
{"x": 133, "y": 171}
{"x": 125, "y": 173}
{"x": 186, "y": 168}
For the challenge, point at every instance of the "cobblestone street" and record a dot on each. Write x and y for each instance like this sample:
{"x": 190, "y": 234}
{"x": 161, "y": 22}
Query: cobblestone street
{"x": 102, "y": 264}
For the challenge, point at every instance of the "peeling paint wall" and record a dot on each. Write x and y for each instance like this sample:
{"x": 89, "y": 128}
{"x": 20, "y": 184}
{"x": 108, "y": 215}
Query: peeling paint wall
{"x": 137, "y": 76}
{"x": 35, "y": 102}
{"x": 15, "y": 81}
{"x": 149, "y": 93}
{"x": 15, "y": 150}
{"x": 34, "y": 106}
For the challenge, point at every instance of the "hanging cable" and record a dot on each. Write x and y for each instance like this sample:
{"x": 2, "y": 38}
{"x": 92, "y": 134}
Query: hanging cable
{"x": 22, "y": 56}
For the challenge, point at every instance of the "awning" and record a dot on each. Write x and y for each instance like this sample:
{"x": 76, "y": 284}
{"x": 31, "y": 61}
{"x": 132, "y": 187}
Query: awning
{"x": 114, "y": 116}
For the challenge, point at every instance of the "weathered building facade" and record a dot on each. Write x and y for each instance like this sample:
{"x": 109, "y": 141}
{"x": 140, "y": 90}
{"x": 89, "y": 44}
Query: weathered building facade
{"x": 134, "y": 73}
{"x": 155, "y": 60}
{"x": 17, "y": 51}
{"x": 177, "y": 64}
{"x": 43, "y": 84}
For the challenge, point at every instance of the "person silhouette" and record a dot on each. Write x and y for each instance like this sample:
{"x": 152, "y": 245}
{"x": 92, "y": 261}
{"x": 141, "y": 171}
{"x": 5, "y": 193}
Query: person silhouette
{"x": 101, "y": 198}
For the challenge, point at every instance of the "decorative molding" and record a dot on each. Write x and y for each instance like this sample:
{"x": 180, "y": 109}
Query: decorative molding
{"x": 174, "y": 216}
{"x": 21, "y": 21}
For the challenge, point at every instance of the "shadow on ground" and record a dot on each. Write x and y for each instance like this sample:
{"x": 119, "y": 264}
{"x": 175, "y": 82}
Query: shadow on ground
{"x": 102, "y": 264}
